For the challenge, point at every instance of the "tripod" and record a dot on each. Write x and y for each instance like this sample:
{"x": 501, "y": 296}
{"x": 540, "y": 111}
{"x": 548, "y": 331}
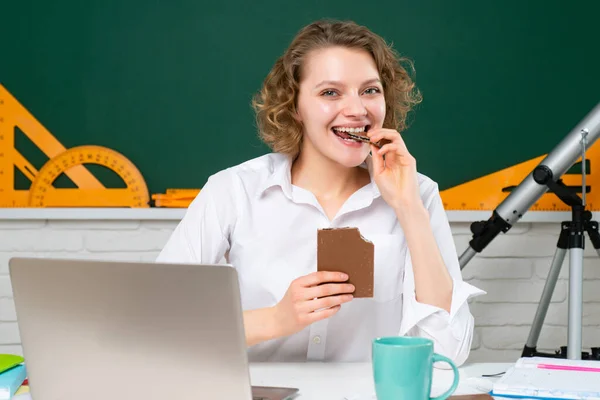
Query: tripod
{"x": 571, "y": 238}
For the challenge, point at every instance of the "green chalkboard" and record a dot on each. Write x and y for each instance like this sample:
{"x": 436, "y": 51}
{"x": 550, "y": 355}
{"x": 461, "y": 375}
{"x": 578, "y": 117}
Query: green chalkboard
{"x": 169, "y": 83}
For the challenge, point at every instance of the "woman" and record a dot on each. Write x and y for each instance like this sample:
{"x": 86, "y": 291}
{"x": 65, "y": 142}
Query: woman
{"x": 262, "y": 216}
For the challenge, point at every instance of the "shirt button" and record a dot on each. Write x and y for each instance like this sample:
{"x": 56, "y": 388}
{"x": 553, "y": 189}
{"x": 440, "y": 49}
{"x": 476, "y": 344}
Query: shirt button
{"x": 317, "y": 339}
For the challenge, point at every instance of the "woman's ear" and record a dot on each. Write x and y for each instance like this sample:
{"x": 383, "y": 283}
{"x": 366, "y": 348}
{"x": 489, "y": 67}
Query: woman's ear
{"x": 296, "y": 115}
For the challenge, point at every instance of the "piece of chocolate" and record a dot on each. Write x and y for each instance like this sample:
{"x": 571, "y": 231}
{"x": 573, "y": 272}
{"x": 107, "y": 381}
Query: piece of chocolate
{"x": 345, "y": 250}
{"x": 365, "y": 139}
{"x": 359, "y": 138}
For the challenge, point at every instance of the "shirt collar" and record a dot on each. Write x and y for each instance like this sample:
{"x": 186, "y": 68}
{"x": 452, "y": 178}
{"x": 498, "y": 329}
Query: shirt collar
{"x": 280, "y": 173}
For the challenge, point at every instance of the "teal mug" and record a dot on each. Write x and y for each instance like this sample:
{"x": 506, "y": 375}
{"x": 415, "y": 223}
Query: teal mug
{"x": 403, "y": 368}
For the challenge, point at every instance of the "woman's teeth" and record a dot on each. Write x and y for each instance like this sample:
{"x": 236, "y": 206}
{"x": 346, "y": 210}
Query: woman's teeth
{"x": 347, "y": 134}
{"x": 350, "y": 130}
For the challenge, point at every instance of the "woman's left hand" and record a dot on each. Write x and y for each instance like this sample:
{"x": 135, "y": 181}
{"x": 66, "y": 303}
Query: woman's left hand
{"x": 396, "y": 175}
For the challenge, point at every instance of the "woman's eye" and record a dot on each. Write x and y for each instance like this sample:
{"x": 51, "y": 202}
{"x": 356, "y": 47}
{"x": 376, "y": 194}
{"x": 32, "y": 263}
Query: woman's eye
{"x": 372, "y": 90}
{"x": 329, "y": 93}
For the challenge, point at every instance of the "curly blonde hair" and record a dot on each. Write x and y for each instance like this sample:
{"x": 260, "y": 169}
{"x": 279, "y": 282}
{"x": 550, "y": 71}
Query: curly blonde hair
{"x": 275, "y": 104}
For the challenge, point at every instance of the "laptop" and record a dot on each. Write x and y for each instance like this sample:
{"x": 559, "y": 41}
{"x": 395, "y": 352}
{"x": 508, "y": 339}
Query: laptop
{"x": 100, "y": 330}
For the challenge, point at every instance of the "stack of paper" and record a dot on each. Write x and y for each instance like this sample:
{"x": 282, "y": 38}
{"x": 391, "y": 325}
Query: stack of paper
{"x": 551, "y": 378}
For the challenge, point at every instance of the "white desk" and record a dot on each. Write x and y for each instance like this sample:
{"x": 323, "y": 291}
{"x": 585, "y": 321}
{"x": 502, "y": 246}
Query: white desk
{"x": 354, "y": 381}
{"x": 331, "y": 381}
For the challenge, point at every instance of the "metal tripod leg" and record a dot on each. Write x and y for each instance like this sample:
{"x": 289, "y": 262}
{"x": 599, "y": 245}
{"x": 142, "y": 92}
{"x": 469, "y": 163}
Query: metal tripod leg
{"x": 580, "y": 220}
{"x": 540, "y": 315}
{"x": 575, "y": 303}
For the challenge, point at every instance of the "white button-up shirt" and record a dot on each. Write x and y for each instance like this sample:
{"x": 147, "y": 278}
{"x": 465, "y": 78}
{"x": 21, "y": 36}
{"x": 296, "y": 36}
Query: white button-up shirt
{"x": 252, "y": 217}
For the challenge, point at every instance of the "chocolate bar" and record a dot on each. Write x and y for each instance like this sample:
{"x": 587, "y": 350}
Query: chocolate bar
{"x": 359, "y": 138}
{"x": 365, "y": 139}
{"x": 345, "y": 250}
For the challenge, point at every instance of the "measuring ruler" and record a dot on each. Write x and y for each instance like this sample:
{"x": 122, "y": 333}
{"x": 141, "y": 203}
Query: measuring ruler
{"x": 89, "y": 192}
{"x": 175, "y": 198}
{"x": 487, "y": 192}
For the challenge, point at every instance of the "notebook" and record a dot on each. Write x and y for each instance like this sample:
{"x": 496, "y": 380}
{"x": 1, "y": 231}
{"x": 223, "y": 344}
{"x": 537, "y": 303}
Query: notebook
{"x": 550, "y": 378}
{"x": 7, "y": 361}
{"x": 11, "y": 380}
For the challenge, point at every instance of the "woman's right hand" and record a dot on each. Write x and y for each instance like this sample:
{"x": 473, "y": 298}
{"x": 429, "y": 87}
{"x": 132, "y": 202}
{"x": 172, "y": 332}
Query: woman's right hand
{"x": 311, "y": 298}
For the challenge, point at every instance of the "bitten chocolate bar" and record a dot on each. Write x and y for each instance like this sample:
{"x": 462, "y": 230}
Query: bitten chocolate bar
{"x": 345, "y": 250}
{"x": 365, "y": 139}
{"x": 360, "y": 138}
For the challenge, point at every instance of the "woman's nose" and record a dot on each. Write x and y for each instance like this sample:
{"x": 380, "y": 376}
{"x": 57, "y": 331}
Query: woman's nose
{"x": 354, "y": 107}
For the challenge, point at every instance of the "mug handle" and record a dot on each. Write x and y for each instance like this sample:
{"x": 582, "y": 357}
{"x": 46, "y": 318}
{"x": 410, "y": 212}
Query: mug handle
{"x": 445, "y": 395}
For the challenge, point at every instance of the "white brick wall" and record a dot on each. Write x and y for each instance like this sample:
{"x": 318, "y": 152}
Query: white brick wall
{"x": 512, "y": 269}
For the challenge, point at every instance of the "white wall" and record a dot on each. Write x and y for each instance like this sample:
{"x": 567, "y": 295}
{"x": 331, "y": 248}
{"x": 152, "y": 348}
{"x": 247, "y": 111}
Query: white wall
{"x": 512, "y": 269}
